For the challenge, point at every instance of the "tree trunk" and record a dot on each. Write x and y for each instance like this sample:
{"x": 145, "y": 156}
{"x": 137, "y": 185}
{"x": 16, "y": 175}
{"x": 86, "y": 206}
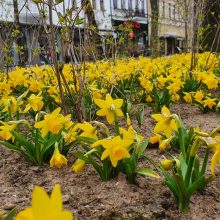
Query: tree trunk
{"x": 92, "y": 22}
{"x": 54, "y": 56}
{"x": 154, "y": 28}
{"x": 18, "y": 34}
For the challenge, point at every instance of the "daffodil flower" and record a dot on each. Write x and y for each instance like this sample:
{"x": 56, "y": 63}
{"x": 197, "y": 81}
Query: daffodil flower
{"x": 199, "y": 96}
{"x": 210, "y": 103}
{"x": 12, "y": 103}
{"x": 163, "y": 144}
{"x": 166, "y": 164}
{"x": 52, "y": 123}
{"x": 71, "y": 135}
{"x": 116, "y": 149}
{"x": 5, "y": 131}
{"x": 187, "y": 97}
{"x": 57, "y": 160}
{"x": 79, "y": 166}
{"x": 109, "y": 108}
{"x": 34, "y": 102}
{"x": 130, "y": 134}
{"x": 88, "y": 130}
{"x": 166, "y": 123}
{"x": 45, "y": 207}
{"x": 155, "y": 139}
{"x": 214, "y": 144}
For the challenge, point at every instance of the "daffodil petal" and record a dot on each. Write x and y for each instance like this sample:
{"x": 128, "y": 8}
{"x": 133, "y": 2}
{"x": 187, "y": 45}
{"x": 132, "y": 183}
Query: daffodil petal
{"x": 40, "y": 202}
{"x": 110, "y": 117}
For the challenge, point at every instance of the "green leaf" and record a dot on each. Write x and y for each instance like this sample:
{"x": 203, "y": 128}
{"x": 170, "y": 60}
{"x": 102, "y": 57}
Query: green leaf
{"x": 86, "y": 140}
{"x": 147, "y": 172}
{"x": 10, "y": 146}
{"x": 198, "y": 184}
{"x": 183, "y": 165}
{"x": 79, "y": 21}
{"x": 81, "y": 156}
{"x": 181, "y": 185}
{"x": 140, "y": 115}
{"x": 10, "y": 215}
{"x": 97, "y": 167}
{"x": 172, "y": 186}
{"x": 49, "y": 143}
{"x": 141, "y": 148}
{"x": 27, "y": 145}
{"x": 196, "y": 167}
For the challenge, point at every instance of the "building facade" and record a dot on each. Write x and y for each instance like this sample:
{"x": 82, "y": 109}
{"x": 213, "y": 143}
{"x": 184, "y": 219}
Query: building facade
{"x": 127, "y": 18}
{"x": 171, "y": 25}
{"x": 130, "y": 20}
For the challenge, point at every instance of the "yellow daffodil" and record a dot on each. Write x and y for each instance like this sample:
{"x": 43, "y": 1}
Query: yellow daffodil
{"x": 175, "y": 97}
{"x": 5, "y": 88}
{"x": 79, "y": 166}
{"x": 187, "y": 97}
{"x": 96, "y": 94}
{"x": 116, "y": 149}
{"x": 52, "y": 123}
{"x": 215, "y": 160}
{"x": 5, "y": 131}
{"x": 165, "y": 123}
{"x": 163, "y": 144}
{"x": 199, "y": 96}
{"x": 109, "y": 108}
{"x": 12, "y": 103}
{"x": 214, "y": 144}
{"x": 174, "y": 87}
{"x": 146, "y": 84}
{"x": 35, "y": 86}
{"x": 45, "y": 207}
{"x": 34, "y": 102}
{"x": 155, "y": 139}
{"x": 130, "y": 134}
{"x": 57, "y": 160}
{"x": 209, "y": 102}
{"x": 166, "y": 164}
{"x": 71, "y": 135}
{"x": 88, "y": 130}
{"x": 149, "y": 99}
{"x": 211, "y": 81}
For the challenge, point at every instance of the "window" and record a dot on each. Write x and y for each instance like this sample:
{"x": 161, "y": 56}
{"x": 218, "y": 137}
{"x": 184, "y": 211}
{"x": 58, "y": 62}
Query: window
{"x": 142, "y": 7}
{"x": 169, "y": 10}
{"x": 122, "y": 4}
{"x": 74, "y": 4}
{"x": 115, "y": 4}
{"x": 94, "y": 4}
{"x": 102, "y": 6}
{"x": 130, "y": 5}
{"x": 163, "y": 10}
{"x": 136, "y": 5}
{"x": 179, "y": 13}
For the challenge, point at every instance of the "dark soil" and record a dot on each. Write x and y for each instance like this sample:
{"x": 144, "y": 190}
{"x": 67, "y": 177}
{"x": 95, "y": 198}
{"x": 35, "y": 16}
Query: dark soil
{"x": 89, "y": 198}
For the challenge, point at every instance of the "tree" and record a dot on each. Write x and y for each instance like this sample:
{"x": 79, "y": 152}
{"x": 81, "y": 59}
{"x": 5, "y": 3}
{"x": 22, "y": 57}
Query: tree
{"x": 18, "y": 35}
{"x": 211, "y": 25}
{"x": 154, "y": 27}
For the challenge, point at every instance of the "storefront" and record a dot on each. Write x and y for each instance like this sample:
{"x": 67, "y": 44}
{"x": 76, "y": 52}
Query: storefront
{"x": 171, "y": 44}
{"x": 134, "y": 34}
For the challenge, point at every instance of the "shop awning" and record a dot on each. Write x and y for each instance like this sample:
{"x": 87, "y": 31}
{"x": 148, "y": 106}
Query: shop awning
{"x": 172, "y": 35}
